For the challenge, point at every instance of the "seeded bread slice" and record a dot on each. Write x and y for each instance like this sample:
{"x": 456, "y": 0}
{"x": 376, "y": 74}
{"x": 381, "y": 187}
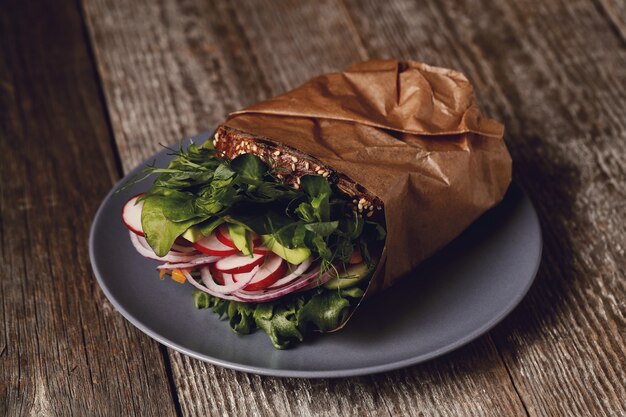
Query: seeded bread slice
{"x": 291, "y": 164}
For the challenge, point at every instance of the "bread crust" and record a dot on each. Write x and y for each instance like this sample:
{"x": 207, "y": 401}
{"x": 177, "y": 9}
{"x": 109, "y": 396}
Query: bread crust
{"x": 291, "y": 164}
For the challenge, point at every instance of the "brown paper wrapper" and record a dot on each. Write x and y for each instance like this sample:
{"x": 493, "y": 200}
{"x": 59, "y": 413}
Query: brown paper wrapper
{"x": 409, "y": 133}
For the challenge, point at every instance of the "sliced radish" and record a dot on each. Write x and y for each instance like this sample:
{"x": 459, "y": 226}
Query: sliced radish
{"x": 227, "y": 288}
{"x": 301, "y": 269}
{"x": 238, "y": 263}
{"x": 223, "y": 236}
{"x": 201, "y": 287}
{"x": 212, "y": 246}
{"x": 269, "y": 295}
{"x": 131, "y": 215}
{"x": 273, "y": 268}
{"x": 261, "y": 250}
{"x": 218, "y": 276}
{"x": 144, "y": 249}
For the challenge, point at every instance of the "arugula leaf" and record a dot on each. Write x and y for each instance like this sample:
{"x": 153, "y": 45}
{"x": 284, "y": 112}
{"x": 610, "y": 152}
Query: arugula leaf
{"x": 318, "y": 190}
{"x": 322, "y": 228}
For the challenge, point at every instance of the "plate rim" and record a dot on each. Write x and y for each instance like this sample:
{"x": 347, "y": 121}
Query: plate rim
{"x": 292, "y": 373}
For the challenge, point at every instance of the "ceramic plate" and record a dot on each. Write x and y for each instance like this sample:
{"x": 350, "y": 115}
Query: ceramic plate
{"x": 453, "y": 298}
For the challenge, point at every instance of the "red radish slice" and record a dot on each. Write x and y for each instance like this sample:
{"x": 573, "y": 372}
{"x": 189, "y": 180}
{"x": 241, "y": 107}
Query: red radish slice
{"x": 144, "y": 249}
{"x": 269, "y": 295}
{"x": 269, "y": 273}
{"x": 223, "y": 236}
{"x": 237, "y": 264}
{"x": 131, "y": 215}
{"x": 239, "y": 277}
{"x": 218, "y": 276}
{"x": 301, "y": 269}
{"x": 229, "y": 287}
{"x": 261, "y": 250}
{"x": 201, "y": 287}
{"x": 212, "y": 246}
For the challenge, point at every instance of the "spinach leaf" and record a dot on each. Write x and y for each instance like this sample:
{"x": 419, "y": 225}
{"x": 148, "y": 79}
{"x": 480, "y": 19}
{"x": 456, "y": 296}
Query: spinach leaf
{"x": 249, "y": 166}
{"x": 160, "y": 231}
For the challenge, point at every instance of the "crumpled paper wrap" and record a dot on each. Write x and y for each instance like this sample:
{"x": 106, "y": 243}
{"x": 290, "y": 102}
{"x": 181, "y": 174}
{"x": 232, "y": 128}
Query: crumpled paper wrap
{"x": 411, "y": 134}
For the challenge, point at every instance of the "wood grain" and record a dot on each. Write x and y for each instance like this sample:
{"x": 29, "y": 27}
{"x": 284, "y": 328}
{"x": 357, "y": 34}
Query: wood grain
{"x": 249, "y": 52}
{"x": 554, "y": 71}
{"x": 61, "y": 343}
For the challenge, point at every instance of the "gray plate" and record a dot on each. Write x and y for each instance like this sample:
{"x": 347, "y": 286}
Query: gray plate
{"x": 456, "y": 296}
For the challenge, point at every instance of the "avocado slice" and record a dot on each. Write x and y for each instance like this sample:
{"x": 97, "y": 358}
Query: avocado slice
{"x": 240, "y": 238}
{"x": 193, "y": 234}
{"x": 293, "y": 256}
{"x": 351, "y": 276}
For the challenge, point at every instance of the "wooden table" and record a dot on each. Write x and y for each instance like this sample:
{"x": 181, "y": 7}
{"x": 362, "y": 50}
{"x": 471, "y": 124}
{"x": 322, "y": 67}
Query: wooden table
{"x": 89, "y": 89}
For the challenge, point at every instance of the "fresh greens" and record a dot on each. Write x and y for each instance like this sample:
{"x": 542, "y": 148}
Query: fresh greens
{"x": 287, "y": 320}
{"x": 200, "y": 189}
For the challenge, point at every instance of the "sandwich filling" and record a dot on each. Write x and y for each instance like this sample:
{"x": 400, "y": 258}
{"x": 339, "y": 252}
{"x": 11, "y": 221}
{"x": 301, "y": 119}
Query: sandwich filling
{"x": 270, "y": 238}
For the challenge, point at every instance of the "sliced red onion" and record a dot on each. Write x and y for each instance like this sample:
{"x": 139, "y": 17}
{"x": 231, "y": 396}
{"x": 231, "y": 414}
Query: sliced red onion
{"x": 201, "y": 287}
{"x": 269, "y": 295}
{"x": 229, "y": 288}
{"x": 144, "y": 249}
{"x": 203, "y": 259}
{"x": 301, "y": 269}
{"x": 194, "y": 263}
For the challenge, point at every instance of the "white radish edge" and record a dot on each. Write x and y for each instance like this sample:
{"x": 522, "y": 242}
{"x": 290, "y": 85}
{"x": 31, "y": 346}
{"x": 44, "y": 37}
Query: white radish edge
{"x": 216, "y": 245}
{"x": 301, "y": 269}
{"x": 141, "y": 245}
{"x": 264, "y": 267}
{"x": 210, "y": 283}
{"x": 265, "y": 295}
{"x": 132, "y": 211}
{"x": 236, "y": 257}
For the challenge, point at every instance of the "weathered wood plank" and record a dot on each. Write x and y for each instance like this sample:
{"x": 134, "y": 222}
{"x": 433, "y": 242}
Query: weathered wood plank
{"x": 554, "y": 71}
{"x": 178, "y": 69}
{"x": 60, "y": 342}
{"x": 615, "y": 10}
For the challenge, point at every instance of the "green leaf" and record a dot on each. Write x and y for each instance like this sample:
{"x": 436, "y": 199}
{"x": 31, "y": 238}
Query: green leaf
{"x": 320, "y": 246}
{"x": 160, "y": 231}
{"x": 326, "y": 311}
{"x": 241, "y": 238}
{"x": 318, "y": 190}
{"x": 249, "y": 166}
{"x": 177, "y": 206}
{"x": 322, "y": 228}
{"x": 279, "y": 322}
{"x": 305, "y": 212}
{"x": 208, "y": 226}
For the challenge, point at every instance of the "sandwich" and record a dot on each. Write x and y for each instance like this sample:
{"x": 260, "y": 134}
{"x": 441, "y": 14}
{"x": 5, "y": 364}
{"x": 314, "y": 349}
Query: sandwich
{"x": 299, "y": 207}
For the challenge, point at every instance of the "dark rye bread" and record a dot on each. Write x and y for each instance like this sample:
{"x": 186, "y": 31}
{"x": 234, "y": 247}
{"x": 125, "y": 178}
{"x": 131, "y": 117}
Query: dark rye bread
{"x": 291, "y": 164}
